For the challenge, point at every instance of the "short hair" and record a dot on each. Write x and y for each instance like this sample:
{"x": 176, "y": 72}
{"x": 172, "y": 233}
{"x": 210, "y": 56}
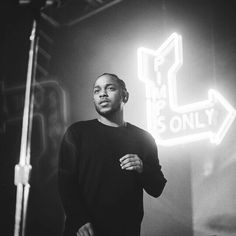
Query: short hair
{"x": 118, "y": 80}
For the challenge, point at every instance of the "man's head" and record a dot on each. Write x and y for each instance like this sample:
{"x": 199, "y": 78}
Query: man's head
{"x": 109, "y": 94}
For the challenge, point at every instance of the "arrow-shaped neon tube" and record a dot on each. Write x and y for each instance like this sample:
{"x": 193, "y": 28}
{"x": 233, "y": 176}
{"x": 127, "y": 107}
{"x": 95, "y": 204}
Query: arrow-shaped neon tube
{"x": 174, "y": 43}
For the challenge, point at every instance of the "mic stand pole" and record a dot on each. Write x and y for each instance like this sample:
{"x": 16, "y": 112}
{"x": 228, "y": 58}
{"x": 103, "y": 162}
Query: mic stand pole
{"x": 23, "y": 168}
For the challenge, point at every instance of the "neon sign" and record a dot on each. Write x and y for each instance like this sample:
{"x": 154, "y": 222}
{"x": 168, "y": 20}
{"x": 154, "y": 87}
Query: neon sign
{"x": 170, "y": 123}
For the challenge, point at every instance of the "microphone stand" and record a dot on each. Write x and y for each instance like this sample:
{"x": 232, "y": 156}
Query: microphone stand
{"x": 23, "y": 168}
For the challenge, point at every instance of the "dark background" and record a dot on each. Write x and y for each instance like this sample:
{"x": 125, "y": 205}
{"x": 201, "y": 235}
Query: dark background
{"x": 73, "y": 51}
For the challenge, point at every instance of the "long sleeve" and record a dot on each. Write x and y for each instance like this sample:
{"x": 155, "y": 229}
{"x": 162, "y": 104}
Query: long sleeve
{"x": 76, "y": 213}
{"x": 152, "y": 178}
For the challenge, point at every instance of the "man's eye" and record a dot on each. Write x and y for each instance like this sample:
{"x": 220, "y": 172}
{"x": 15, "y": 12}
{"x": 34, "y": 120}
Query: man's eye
{"x": 112, "y": 88}
{"x": 96, "y": 91}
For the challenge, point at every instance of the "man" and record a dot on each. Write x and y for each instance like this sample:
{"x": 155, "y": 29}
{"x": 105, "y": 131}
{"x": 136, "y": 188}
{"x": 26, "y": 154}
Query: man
{"x": 104, "y": 166}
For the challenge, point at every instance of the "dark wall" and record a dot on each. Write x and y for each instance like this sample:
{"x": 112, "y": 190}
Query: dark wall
{"x": 15, "y": 26}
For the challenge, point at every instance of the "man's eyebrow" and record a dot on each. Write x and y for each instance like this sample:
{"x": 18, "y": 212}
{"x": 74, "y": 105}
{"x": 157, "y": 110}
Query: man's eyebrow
{"x": 114, "y": 84}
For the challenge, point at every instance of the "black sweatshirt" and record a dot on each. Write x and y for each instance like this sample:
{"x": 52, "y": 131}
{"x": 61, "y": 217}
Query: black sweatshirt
{"x": 92, "y": 185}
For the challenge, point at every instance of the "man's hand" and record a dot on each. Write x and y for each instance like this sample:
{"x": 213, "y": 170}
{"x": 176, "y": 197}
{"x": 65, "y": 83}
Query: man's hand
{"x": 131, "y": 162}
{"x": 85, "y": 230}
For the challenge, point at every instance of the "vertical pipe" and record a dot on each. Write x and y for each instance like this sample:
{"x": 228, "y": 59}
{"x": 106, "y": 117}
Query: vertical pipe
{"x": 22, "y": 170}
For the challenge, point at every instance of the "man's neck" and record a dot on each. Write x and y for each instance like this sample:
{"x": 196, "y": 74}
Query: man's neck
{"x": 114, "y": 121}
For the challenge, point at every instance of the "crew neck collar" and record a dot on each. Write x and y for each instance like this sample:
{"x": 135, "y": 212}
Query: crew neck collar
{"x": 124, "y": 125}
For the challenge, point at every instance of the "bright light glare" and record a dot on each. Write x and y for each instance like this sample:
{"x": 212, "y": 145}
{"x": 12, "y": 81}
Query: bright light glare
{"x": 168, "y": 122}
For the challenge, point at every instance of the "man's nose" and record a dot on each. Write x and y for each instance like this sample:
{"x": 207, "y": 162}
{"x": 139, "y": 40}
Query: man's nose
{"x": 103, "y": 93}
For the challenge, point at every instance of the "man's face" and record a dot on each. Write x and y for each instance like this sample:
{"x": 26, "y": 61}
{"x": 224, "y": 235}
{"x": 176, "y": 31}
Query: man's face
{"x": 107, "y": 96}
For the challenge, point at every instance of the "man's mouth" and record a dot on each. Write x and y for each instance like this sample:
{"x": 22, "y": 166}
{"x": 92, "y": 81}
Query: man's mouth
{"x": 104, "y": 102}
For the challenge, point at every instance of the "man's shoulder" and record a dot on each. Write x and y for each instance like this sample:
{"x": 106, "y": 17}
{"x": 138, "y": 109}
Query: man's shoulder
{"x": 140, "y": 131}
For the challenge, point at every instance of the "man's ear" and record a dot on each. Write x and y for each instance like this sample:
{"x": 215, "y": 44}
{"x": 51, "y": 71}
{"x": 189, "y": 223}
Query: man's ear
{"x": 125, "y": 96}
